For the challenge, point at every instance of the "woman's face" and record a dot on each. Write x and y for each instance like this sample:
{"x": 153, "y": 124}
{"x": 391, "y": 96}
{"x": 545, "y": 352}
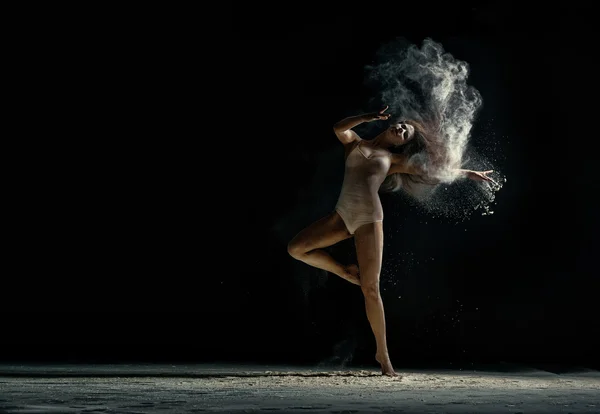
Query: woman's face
{"x": 400, "y": 133}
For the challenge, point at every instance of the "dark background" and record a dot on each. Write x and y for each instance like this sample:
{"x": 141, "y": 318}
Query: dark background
{"x": 214, "y": 134}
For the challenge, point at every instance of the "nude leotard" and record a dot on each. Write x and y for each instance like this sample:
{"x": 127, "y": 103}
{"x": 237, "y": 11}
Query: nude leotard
{"x": 359, "y": 202}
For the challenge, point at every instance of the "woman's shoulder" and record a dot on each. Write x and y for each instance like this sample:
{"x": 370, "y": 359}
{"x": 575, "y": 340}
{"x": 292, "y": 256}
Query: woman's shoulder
{"x": 348, "y": 148}
{"x": 398, "y": 158}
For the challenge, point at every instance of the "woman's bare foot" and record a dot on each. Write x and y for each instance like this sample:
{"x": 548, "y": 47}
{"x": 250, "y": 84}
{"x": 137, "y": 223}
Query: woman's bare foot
{"x": 386, "y": 365}
{"x": 353, "y": 274}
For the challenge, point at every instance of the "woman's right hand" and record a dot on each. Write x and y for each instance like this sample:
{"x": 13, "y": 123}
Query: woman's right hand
{"x": 480, "y": 176}
{"x": 378, "y": 116}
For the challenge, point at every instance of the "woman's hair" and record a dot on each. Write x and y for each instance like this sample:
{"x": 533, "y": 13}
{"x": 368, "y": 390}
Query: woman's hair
{"x": 428, "y": 86}
{"x": 424, "y": 149}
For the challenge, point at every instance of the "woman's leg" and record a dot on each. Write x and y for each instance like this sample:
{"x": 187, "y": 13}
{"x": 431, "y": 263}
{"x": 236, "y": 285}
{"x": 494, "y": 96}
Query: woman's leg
{"x": 369, "y": 250}
{"x": 307, "y": 246}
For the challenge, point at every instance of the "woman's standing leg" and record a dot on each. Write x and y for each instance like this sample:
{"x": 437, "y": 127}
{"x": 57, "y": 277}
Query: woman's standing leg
{"x": 369, "y": 251}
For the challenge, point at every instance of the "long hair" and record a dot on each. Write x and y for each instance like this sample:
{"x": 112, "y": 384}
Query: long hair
{"x": 429, "y": 87}
{"x": 425, "y": 149}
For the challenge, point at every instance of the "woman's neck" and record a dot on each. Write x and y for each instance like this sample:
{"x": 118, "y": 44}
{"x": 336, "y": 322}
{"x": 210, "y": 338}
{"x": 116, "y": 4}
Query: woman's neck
{"x": 380, "y": 142}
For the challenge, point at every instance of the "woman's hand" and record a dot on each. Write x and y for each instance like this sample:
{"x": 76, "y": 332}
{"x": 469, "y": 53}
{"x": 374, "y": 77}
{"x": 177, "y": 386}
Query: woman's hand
{"x": 378, "y": 116}
{"x": 480, "y": 176}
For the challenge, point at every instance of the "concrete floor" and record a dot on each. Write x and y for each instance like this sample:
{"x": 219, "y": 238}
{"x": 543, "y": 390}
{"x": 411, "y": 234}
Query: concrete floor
{"x": 284, "y": 389}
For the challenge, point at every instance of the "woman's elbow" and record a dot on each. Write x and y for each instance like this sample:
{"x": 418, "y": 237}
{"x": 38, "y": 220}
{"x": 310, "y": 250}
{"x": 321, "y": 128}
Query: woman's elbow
{"x": 344, "y": 136}
{"x": 338, "y": 129}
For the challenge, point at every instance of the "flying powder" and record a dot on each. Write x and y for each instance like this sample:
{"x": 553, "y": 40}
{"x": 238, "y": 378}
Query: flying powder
{"x": 426, "y": 84}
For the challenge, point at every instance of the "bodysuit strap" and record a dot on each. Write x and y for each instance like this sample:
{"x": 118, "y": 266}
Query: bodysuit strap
{"x": 358, "y": 148}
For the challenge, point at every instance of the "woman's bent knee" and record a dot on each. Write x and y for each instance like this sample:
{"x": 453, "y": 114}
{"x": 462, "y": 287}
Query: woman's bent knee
{"x": 295, "y": 250}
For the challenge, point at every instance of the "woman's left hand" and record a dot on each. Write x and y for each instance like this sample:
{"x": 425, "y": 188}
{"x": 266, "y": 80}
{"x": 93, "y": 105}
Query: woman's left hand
{"x": 378, "y": 116}
{"x": 480, "y": 176}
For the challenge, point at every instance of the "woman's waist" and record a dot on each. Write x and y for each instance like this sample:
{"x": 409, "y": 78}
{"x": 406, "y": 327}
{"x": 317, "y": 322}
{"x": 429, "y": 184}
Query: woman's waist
{"x": 359, "y": 196}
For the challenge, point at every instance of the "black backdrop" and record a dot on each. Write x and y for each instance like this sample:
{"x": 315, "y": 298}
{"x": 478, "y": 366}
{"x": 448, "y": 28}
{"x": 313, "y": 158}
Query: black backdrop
{"x": 174, "y": 247}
